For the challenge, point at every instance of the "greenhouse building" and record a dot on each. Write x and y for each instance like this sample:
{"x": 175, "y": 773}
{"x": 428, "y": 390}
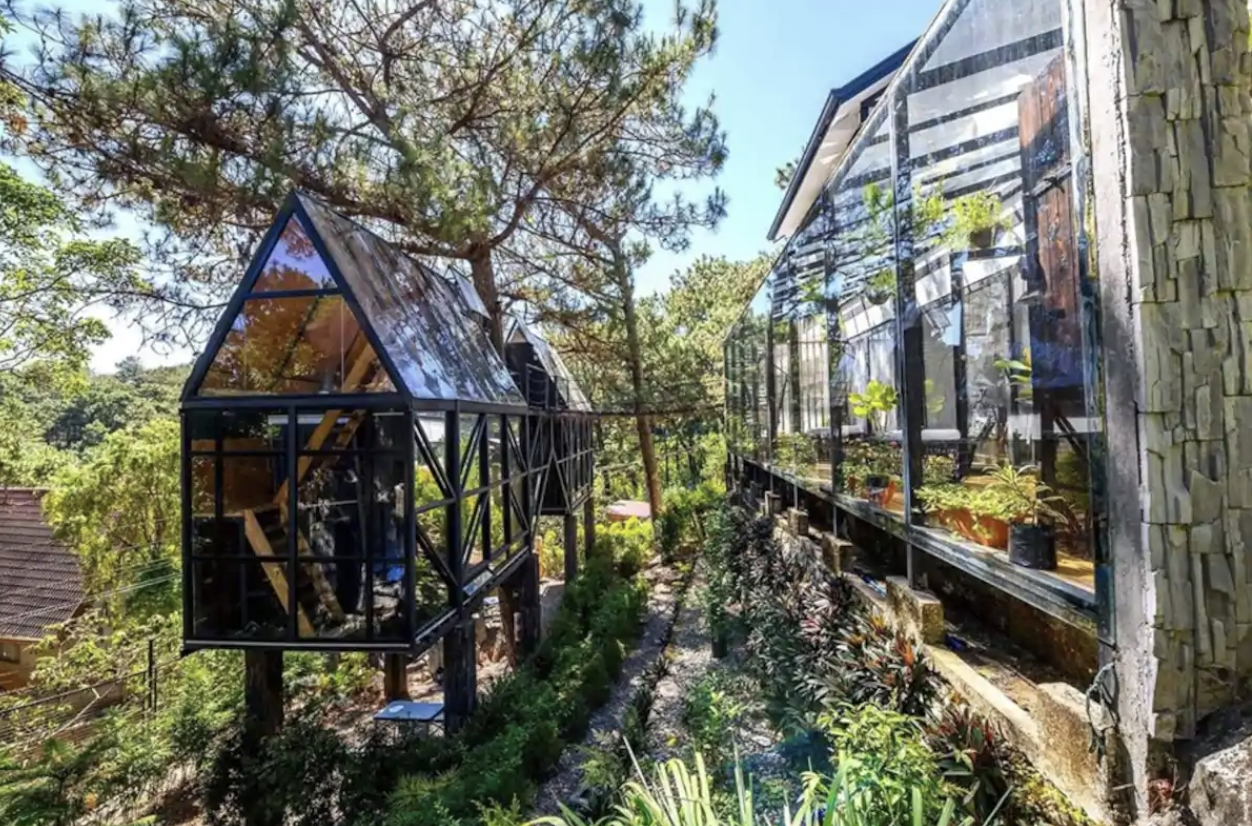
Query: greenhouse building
{"x": 1002, "y": 357}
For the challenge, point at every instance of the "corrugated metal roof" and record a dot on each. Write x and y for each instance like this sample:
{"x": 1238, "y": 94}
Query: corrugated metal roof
{"x": 40, "y": 581}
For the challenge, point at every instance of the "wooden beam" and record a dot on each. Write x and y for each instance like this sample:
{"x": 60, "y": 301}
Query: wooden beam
{"x": 261, "y": 547}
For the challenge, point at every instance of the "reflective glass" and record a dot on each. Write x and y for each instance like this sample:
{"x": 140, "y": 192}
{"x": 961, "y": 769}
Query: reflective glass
{"x": 301, "y": 345}
{"x": 411, "y": 310}
{"x": 293, "y": 264}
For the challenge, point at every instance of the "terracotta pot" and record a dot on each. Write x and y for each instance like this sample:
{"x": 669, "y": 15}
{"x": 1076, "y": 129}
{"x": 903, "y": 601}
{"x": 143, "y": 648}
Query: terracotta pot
{"x": 958, "y": 520}
{"x": 994, "y": 533}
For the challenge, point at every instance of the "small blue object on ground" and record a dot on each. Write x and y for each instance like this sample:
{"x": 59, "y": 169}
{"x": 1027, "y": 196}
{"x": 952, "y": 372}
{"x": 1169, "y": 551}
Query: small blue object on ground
{"x": 408, "y": 711}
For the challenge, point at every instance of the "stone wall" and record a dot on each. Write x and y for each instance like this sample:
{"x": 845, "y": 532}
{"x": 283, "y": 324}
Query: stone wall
{"x": 1168, "y": 94}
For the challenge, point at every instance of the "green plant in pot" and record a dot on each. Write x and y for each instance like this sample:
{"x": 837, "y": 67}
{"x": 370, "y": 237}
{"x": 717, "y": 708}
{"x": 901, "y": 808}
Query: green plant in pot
{"x": 973, "y": 221}
{"x": 873, "y": 405}
{"x": 1031, "y": 509}
{"x": 880, "y": 286}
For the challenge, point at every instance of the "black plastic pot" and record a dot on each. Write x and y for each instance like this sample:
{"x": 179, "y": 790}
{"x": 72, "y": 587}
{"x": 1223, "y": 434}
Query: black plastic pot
{"x": 720, "y": 646}
{"x": 982, "y": 239}
{"x": 1032, "y": 546}
{"x": 877, "y": 296}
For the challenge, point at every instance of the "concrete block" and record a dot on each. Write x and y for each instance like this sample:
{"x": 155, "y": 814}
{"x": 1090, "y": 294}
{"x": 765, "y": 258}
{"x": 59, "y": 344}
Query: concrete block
{"x": 798, "y": 521}
{"x": 1221, "y": 786}
{"x": 835, "y": 552}
{"x": 919, "y": 614}
{"x": 1065, "y": 735}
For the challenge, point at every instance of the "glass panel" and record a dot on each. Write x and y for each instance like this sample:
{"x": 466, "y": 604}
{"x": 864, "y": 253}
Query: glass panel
{"x": 996, "y": 343}
{"x": 293, "y": 264}
{"x": 409, "y": 309}
{"x": 203, "y": 485}
{"x": 432, "y": 591}
{"x": 239, "y": 599}
{"x": 495, "y": 448}
{"x": 431, "y": 428}
{"x": 861, "y": 290}
{"x": 251, "y": 483}
{"x": 306, "y": 345}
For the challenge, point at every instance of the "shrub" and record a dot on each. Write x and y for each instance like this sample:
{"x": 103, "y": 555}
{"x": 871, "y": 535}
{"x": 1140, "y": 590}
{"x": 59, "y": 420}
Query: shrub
{"x": 883, "y": 751}
{"x": 712, "y": 716}
{"x": 628, "y": 543}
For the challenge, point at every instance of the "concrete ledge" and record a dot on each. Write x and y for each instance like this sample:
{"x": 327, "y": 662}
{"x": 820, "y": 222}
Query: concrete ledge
{"x": 918, "y": 613}
{"x": 1054, "y": 736}
{"x": 1064, "y": 754}
{"x": 835, "y": 551}
{"x": 798, "y": 521}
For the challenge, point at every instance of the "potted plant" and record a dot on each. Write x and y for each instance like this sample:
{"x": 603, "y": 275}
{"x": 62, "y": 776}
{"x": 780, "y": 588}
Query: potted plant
{"x": 1019, "y": 373}
{"x": 949, "y": 502}
{"x": 873, "y": 405}
{"x": 1031, "y": 510}
{"x": 974, "y": 219}
{"x": 880, "y": 286}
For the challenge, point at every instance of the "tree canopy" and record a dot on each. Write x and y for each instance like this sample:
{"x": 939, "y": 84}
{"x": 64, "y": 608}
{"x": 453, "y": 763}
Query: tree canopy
{"x": 445, "y": 122}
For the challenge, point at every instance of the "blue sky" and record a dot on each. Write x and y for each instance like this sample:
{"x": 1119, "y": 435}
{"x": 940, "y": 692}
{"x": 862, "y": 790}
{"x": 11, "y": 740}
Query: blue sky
{"x": 775, "y": 62}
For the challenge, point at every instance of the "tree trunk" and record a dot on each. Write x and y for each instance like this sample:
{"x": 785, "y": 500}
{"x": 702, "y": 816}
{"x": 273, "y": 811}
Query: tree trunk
{"x": 484, "y": 276}
{"x": 643, "y": 423}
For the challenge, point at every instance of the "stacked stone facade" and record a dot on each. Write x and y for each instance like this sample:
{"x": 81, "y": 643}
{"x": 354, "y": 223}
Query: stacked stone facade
{"x": 1168, "y": 91}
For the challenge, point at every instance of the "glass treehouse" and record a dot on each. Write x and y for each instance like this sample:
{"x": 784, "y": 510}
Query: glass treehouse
{"x": 357, "y": 459}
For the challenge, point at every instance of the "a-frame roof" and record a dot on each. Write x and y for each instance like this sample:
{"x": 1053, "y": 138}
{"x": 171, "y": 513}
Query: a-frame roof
{"x": 552, "y": 364}
{"x": 410, "y": 317}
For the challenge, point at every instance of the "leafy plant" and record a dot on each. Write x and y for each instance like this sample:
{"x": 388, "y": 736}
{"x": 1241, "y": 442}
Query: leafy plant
{"x": 1018, "y": 372}
{"x": 935, "y": 401}
{"x": 938, "y": 470}
{"x": 679, "y": 796}
{"x": 1016, "y": 495}
{"x": 712, "y": 716}
{"x": 882, "y": 752}
{"x": 972, "y": 214}
{"x": 967, "y": 750}
{"x": 795, "y": 451}
{"x": 878, "y": 400}
{"x": 881, "y": 285}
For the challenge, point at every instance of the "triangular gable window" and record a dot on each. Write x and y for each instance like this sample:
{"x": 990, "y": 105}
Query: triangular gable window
{"x": 294, "y": 333}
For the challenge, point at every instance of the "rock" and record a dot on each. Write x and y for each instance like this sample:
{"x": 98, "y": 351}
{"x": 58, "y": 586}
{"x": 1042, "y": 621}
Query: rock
{"x": 1221, "y": 786}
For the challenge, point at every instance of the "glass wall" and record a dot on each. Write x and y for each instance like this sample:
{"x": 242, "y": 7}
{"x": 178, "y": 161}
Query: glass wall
{"x": 860, "y": 264}
{"x": 948, "y": 374}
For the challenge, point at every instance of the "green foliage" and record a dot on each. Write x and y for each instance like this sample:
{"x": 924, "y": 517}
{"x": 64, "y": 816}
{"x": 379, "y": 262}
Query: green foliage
{"x": 1017, "y": 495}
{"x": 1019, "y": 373}
{"x": 711, "y": 716}
{"x": 629, "y": 543}
{"x": 973, "y": 214}
{"x": 878, "y": 400}
{"x": 719, "y": 585}
{"x": 676, "y": 795}
{"x": 883, "y": 753}
{"x": 120, "y": 510}
{"x": 49, "y": 274}
{"x": 969, "y": 757}
{"x": 682, "y": 524}
{"x": 795, "y": 451}
{"x": 58, "y": 788}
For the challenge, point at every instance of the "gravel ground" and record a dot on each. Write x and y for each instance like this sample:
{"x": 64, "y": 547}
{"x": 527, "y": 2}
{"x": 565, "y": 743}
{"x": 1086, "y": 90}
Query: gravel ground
{"x": 666, "y": 591}
{"x": 690, "y": 657}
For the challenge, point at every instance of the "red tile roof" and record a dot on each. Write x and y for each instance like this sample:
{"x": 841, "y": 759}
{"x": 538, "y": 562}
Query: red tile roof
{"x": 40, "y": 581}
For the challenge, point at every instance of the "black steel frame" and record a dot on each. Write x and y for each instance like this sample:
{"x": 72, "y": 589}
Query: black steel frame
{"x": 538, "y": 445}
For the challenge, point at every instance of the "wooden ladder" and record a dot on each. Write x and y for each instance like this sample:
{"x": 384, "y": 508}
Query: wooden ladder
{"x": 363, "y": 362}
